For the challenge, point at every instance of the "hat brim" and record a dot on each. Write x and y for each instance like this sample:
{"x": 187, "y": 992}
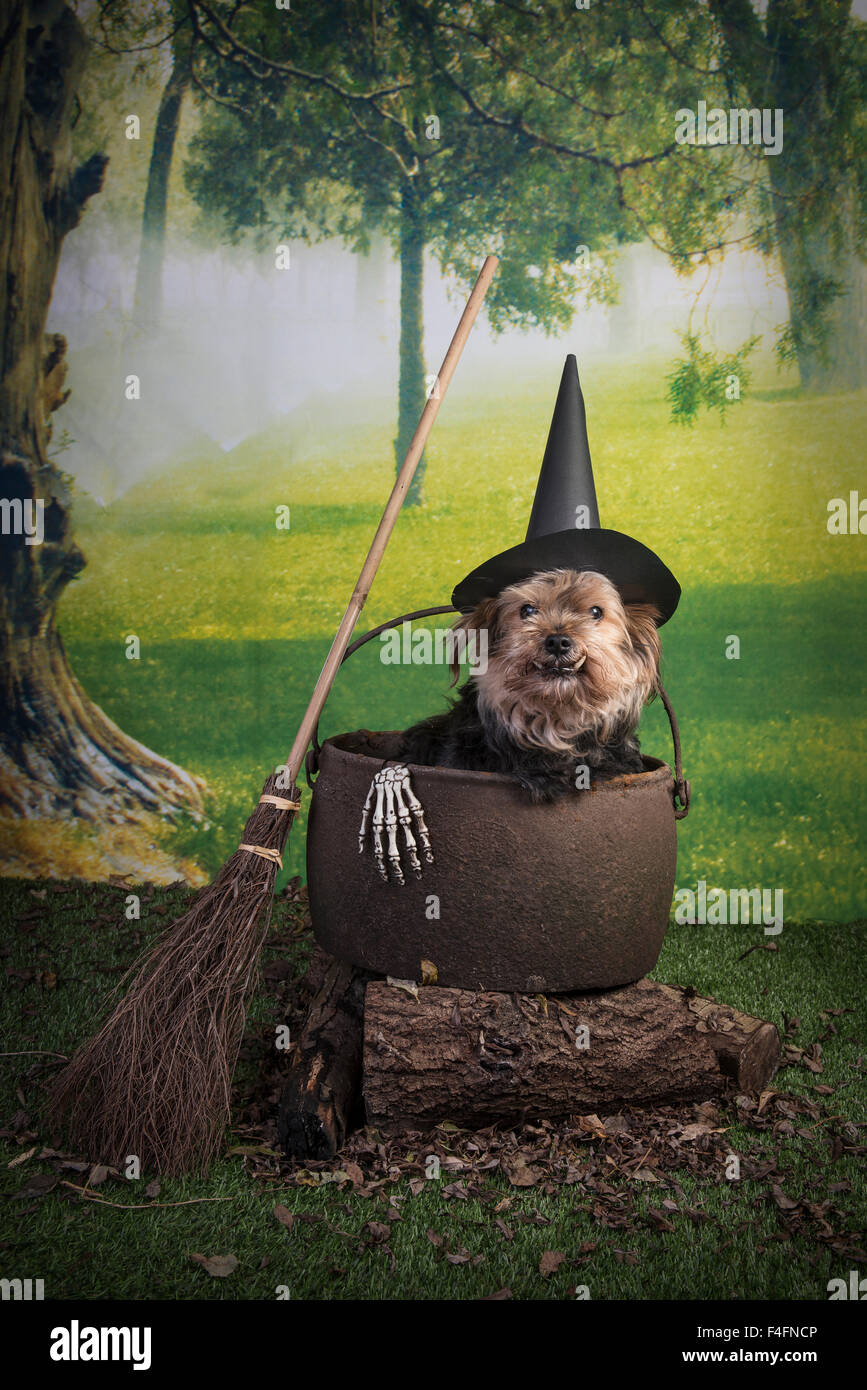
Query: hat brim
{"x": 639, "y": 574}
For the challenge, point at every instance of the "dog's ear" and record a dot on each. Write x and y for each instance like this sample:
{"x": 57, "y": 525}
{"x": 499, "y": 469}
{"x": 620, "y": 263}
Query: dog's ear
{"x": 483, "y": 616}
{"x": 641, "y": 620}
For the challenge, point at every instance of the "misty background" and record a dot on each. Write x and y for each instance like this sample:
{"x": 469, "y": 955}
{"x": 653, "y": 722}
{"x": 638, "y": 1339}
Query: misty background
{"x": 242, "y": 345}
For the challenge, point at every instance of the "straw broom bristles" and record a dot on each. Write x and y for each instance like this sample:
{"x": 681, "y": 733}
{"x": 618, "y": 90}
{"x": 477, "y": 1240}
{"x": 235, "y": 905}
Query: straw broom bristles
{"x": 155, "y": 1081}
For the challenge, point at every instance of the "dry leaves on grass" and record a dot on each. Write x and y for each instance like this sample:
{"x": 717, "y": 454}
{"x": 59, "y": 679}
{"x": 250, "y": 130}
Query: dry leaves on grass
{"x": 218, "y": 1266}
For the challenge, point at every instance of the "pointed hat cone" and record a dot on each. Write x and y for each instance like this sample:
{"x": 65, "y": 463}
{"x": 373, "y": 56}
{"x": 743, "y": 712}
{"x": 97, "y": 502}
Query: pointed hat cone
{"x": 561, "y": 537}
{"x": 566, "y": 476}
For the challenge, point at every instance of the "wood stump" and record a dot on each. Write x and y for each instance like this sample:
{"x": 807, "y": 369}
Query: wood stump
{"x": 476, "y": 1056}
{"x": 323, "y": 1089}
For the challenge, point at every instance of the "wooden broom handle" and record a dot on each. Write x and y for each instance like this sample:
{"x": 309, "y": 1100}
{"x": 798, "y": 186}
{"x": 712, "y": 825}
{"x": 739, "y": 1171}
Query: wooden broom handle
{"x": 389, "y": 517}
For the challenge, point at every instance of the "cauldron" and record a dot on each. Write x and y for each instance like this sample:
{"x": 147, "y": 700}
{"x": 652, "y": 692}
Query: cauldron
{"x": 573, "y": 895}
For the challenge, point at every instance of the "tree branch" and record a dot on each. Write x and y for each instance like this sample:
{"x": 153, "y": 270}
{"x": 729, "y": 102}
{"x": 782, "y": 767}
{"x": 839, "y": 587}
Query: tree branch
{"x": 243, "y": 50}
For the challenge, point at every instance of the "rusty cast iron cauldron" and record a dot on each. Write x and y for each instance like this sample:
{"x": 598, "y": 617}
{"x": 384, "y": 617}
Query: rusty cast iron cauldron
{"x": 573, "y": 895}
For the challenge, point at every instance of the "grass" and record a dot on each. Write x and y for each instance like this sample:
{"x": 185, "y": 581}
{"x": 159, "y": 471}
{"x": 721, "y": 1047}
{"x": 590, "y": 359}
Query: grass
{"x": 737, "y": 1250}
{"x": 234, "y": 620}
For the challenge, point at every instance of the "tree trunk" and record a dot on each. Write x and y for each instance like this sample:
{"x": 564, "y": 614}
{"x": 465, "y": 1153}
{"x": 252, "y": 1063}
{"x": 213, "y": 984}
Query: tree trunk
{"x": 479, "y": 1057}
{"x": 411, "y": 386}
{"x": 148, "y": 285}
{"x": 835, "y": 358}
{"x": 786, "y": 62}
{"x": 58, "y": 751}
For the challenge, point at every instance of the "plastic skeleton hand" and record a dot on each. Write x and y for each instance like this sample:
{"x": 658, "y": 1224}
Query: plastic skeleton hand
{"x": 396, "y": 804}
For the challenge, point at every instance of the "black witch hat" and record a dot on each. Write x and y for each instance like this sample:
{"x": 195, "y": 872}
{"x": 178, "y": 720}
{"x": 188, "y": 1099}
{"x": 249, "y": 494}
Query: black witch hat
{"x": 564, "y": 530}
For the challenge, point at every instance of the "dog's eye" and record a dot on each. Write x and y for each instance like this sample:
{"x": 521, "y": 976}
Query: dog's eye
{"x": 528, "y": 611}
{"x": 596, "y": 613}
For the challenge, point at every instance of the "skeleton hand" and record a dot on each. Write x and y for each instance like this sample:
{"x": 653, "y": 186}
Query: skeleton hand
{"x": 396, "y": 804}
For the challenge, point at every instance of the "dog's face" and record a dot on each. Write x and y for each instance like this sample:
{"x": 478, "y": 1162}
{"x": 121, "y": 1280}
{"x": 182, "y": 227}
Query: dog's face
{"x": 565, "y": 656}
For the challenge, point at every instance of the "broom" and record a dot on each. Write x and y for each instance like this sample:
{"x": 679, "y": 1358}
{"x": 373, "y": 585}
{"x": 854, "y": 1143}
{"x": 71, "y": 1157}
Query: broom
{"x": 155, "y": 1081}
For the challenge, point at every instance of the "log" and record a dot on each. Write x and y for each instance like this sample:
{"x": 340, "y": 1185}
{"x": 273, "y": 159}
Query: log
{"x": 322, "y": 1093}
{"x": 475, "y": 1057}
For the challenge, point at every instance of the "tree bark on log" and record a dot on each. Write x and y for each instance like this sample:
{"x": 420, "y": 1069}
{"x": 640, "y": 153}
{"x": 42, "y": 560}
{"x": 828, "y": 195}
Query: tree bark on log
{"x": 322, "y": 1093}
{"x": 477, "y": 1057}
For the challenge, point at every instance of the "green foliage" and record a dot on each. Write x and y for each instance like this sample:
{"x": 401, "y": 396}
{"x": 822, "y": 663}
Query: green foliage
{"x": 556, "y": 132}
{"x": 537, "y": 152}
{"x": 809, "y": 329}
{"x": 702, "y": 379}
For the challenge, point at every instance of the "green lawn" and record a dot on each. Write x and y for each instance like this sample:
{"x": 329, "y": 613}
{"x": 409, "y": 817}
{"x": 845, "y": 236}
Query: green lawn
{"x": 235, "y": 618}
{"x": 723, "y": 1239}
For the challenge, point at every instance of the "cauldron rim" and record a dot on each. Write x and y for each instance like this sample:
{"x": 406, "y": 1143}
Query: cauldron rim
{"x": 656, "y": 769}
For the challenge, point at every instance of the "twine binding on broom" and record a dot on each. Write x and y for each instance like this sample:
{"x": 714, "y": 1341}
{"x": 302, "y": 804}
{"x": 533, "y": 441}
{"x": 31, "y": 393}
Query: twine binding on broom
{"x": 282, "y": 804}
{"x": 264, "y": 853}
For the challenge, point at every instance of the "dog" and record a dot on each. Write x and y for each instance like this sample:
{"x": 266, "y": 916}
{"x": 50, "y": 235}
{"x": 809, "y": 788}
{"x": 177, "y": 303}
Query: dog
{"x": 570, "y": 668}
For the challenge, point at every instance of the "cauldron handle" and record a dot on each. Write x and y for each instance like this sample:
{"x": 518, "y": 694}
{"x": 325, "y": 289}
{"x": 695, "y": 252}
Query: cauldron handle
{"x": 311, "y": 762}
{"x": 681, "y": 785}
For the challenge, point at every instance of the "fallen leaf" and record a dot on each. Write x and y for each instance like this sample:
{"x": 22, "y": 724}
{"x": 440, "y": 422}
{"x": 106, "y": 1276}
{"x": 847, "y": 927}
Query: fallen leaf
{"x": 38, "y": 1185}
{"x": 659, "y": 1219}
{"x": 218, "y": 1266}
{"x": 408, "y": 986}
{"x": 379, "y": 1230}
{"x": 645, "y": 1175}
{"x": 284, "y": 1216}
{"x": 697, "y": 1131}
{"x": 591, "y": 1124}
{"x": 429, "y": 973}
{"x": 783, "y": 1202}
{"x": 551, "y": 1262}
{"x": 22, "y": 1158}
{"x": 520, "y": 1173}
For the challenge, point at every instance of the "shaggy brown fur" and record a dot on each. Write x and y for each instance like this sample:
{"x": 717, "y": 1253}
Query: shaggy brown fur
{"x": 570, "y": 668}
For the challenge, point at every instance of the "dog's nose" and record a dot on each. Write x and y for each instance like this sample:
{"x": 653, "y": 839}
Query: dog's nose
{"x": 558, "y": 644}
